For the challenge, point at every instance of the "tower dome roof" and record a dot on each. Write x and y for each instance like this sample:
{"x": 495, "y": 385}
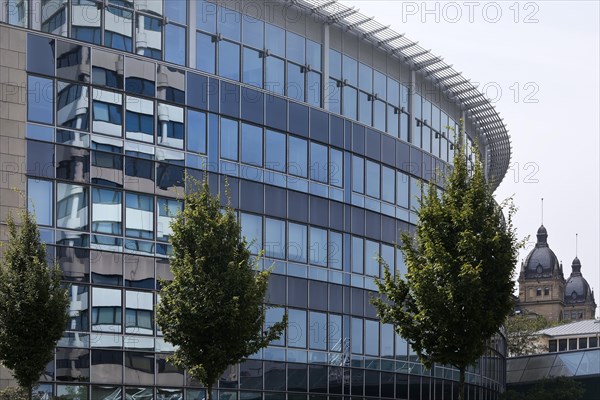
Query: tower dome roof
{"x": 541, "y": 262}
{"x": 577, "y": 289}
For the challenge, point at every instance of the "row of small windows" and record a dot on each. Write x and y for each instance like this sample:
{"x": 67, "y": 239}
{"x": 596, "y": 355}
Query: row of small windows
{"x": 580, "y": 343}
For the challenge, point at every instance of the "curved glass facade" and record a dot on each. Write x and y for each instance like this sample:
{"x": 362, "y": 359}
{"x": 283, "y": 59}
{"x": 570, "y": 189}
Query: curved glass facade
{"x": 323, "y": 141}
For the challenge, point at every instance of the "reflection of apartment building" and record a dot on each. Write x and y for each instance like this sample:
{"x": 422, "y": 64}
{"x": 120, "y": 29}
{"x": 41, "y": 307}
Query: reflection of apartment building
{"x": 322, "y": 127}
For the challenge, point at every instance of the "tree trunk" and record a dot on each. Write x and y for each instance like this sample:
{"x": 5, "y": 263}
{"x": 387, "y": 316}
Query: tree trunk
{"x": 461, "y": 384}
{"x": 30, "y": 392}
{"x": 209, "y": 391}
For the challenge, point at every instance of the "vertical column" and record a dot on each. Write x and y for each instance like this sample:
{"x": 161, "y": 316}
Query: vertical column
{"x": 192, "y": 33}
{"x": 412, "y": 91}
{"x": 325, "y": 66}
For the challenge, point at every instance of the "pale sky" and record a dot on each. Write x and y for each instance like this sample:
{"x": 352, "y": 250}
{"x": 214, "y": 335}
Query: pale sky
{"x": 539, "y": 62}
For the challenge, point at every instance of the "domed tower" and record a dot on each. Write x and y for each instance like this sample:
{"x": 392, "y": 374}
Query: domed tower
{"x": 579, "y": 298}
{"x": 541, "y": 281}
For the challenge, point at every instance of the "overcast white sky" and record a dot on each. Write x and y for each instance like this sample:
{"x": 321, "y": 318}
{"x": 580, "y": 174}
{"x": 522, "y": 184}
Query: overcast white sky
{"x": 539, "y": 60}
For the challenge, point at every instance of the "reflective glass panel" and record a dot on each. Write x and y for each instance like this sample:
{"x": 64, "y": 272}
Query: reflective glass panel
{"x": 229, "y": 139}
{"x": 253, "y": 68}
{"x": 295, "y": 82}
{"x": 275, "y": 75}
{"x": 295, "y": 47}
{"x": 318, "y": 162}
{"x": 317, "y": 331}
{"x": 252, "y": 231}
{"x": 274, "y": 39}
{"x": 357, "y": 255}
{"x": 373, "y": 179}
{"x": 229, "y": 23}
{"x": 139, "y": 119}
{"x": 205, "y": 52}
{"x": 229, "y": 60}
{"x": 196, "y": 131}
{"x": 106, "y": 211}
{"x": 365, "y": 78}
{"x": 40, "y": 99}
{"x": 297, "y": 242}
{"x": 358, "y": 174}
{"x": 252, "y": 146}
{"x": 313, "y": 88}
{"x": 176, "y": 10}
{"x": 107, "y": 69}
{"x": 349, "y": 102}
{"x": 275, "y": 238}
{"x": 357, "y": 335}
{"x": 318, "y": 246}
{"x": 371, "y": 254}
{"x": 296, "y": 330}
{"x": 71, "y": 206}
{"x": 275, "y": 151}
{"x": 372, "y": 338}
{"x": 118, "y": 25}
{"x": 139, "y": 315}
{"x": 206, "y": 16}
{"x": 170, "y": 126}
{"x": 139, "y": 77}
{"x": 334, "y": 250}
{"x": 297, "y": 157}
{"x": 139, "y": 216}
{"x": 106, "y": 310}
{"x": 107, "y": 112}
{"x": 253, "y": 31}
{"x": 72, "y": 106}
{"x": 175, "y": 46}
{"x": 40, "y": 200}
{"x": 151, "y": 29}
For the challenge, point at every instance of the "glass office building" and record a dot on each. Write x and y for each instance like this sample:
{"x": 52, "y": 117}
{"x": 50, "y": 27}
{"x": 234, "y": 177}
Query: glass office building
{"x": 323, "y": 123}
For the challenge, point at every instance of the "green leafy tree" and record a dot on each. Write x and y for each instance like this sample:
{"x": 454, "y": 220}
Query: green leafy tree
{"x": 457, "y": 292}
{"x": 213, "y": 310}
{"x": 521, "y": 334}
{"x": 33, "y": 305}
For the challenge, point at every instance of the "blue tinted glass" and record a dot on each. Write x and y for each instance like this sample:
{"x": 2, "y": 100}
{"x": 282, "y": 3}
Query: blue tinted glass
{"x": 415, "y": 193}
{"x": 39, "y": 196}
{"x": 404, "y": 92}
{"x": 404, "y": 126}
{"x": 275, "y": 151}
{"x": 358, "y": 174}
{"x": 350, "y": 70}
{"x": 402, "y": 182}
{"x": 295, "y": 82}
{"x": 313, "y": 94}
{"x": 335, "y": 64}
{"x": 205, "y": 53}
{"x": 229, "y": 139}
{"x": 393, "y": 92}
{"x": 365, "y": 78}
{"x": 175, "y": 46}
{"x": 387, "y": 255}
{"x": 380, "y": 85}
{"x": 336, "y": 167}
{"x": 296, "y": 329}
{"x": 297, "y": 247}
{"x": 177, "y": 10}
{"x": 357, "y": 255}
{"x": 275, "y": 75}
{"x": 373, "y": 179}
{"x": 356, "y": 336}
{"x": 393, "y": 115}
{"x": 275, "y": 238}
{"x": 371, "y": 254}
{"x": 206, "y": 16}
{"x": 274, "y": 40}
{"x": 334, "y": 250}
{"x": 229, "y": 60}
{"x": 253, "y": 68}
{"x": 295, "y": 48}
{"x": 297, "y": 157}
{"x": 253, "y": 32}
{"x": 229, "y": 23}
{"x": 318, "y": 331}
{"x": 252, "y": 231}
{"x": 372, "y": 336}
{"x": 379, "y": 115}
{"x": 318, "y": 162}
{"x": 318, "y": 246}
{"x": 40, "y": 55}
{"x": 333, "y": 97}
{"x": 252, "y": 149}
{"x": 87, "y": 34}
{"x": 39, "y": 132}
{"x": 313, "y": 55}
{"x": 364, "y": 108}
{"x": 196, "y": 131}
{"x": 349, "y": 102}
{"x": 40, "y": 99}
{"x": 388, "y": 185}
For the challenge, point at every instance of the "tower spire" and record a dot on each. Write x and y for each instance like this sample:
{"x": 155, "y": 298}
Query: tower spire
{"x": 542, "y": 211}
{"x": 576, "y": 243}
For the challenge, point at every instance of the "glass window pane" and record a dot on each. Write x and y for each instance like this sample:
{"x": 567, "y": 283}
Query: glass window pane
{"x": 275, "y": 75}
{"x": 373, "y": 179}
{"x": 167, "y": 211}
{"x": 40, "y": 99}
{"x": 106, "y": 211}
{"x": 170, "y": 125}
{"x": 139, "y": 315}
{"x": 206, "y": 16}
{"x": 253, "y": 68}
{"x": 295, "y": 47}
{"x": 379, "y": 115}
{"x": 272, "y": 316}
{"x": 379, "y": 85}
{"x": 252, "y": 231}
{"x": 253, "y": 31}
{"x": 333, "y": 96}
{"x": 372, "y": 335}
{"x": 356, "y": 336}
{"x": 176, "y": 11}
{"x": 118, "y": 25}
{"x": 252, "y": 148}
{"x": 229, "y": 23}
{"x": 275, "y": 238}
{"x": 71, "y": 206}
{"x": 297, "y": 242}
{"x": 364, "y": 108}
{"x": 318, "y": 162}
{"x": 318, "y": 331}
{"x": 139, "y": 216}
{"x": 358, "y": 174}
{"x": 205, "y": 52}
{"x": 274, "y": 39}
{"x": 313, "y": 55}
{"x": 297, "y": 157}
{"x": 296, "y": 330}
{"x": 196, "y": 131}
{"x": 40, "y": 200}
{"x": 313, "y": 88}
{"x": 295, "y": 82}
{"x": 229, "y": 60}
{"x": 336, "y": 167}
{"x": 402, "y": 182}
{"x": 334, "y": 250}
{"x": 175, "y": 46}
{"x": 350, "y": 70}
{"x": 151, "y": 29}
{"x": 229, "y": 139}
{"x": 106, "y": 310}
{"x": 349, "y": 102}
{"x": 388, "y": 185}
{"x": 275, "y": 157}
{"x": 107, "y": 112}
{"x": 139, "y": 119}
{"x": 365, "y": 78}
{"x": 357, "y": 255}
{"x": 318, "y": 246}
{"x": 371, "y": 254}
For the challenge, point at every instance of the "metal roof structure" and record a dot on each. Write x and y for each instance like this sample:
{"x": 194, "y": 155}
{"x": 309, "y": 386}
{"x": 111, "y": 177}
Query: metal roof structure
{"x": 586, "y": 327}
{"x": 444, "y": 76}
